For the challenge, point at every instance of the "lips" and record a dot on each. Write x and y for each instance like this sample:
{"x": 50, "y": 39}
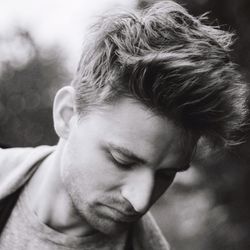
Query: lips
{"x": 120, "y": 215}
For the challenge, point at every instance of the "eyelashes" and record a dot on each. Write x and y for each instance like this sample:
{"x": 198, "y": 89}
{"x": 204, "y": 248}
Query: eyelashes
{"x": 121, "y": 163}
{"x": 127, "y": 164}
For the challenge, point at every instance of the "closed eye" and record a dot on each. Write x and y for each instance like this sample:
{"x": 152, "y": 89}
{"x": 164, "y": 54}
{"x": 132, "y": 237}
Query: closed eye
{"x": 121, "y": 162}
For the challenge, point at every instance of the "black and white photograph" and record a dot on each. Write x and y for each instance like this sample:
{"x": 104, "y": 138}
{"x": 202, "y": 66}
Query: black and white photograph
{"x": 124, "y": 125}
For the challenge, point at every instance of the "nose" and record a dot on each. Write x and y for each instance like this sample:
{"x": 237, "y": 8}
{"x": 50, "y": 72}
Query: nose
{"x": 138, "y": 189}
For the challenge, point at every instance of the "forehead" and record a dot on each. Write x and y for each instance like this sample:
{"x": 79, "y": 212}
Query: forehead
{"x": 130, "y": 125}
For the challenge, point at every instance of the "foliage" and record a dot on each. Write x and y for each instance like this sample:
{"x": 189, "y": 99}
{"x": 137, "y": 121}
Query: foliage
{"x": 30, "y": 76}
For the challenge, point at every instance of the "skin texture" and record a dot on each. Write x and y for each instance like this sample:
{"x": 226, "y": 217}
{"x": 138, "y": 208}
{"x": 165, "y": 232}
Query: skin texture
{"x": 111, "y": 165}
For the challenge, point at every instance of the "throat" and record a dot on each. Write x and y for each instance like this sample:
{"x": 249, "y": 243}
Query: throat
{"x": 51, "y": 203}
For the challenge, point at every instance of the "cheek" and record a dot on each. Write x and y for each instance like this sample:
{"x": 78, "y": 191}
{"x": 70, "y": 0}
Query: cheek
{"x": 91, "y": 170}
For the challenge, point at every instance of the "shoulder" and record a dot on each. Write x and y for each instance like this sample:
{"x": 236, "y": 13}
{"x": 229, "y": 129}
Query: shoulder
{"x": 14, "y": 157}
{"x": 17, "y": 165}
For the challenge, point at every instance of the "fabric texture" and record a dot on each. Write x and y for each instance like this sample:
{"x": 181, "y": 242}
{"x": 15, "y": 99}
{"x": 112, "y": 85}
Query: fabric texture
{"x": 24, "y": 231}
{"x": 17, "y": 165}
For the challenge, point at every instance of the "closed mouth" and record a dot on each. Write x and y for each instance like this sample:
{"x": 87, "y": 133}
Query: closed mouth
{"x": 123, "y": 216}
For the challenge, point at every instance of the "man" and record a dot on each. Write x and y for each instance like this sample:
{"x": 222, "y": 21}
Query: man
{"x": 149, "y": 85}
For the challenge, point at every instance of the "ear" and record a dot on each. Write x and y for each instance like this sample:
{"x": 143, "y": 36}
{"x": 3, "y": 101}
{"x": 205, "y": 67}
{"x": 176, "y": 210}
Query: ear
{"x": 64, "y": 111}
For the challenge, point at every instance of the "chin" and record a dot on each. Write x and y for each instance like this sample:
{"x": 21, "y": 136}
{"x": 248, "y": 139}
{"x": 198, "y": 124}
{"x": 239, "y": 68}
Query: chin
{"x": 104, "y": 224}
{"x": 112, "y": 228}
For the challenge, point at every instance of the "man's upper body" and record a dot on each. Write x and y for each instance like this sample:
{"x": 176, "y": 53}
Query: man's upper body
{"x": 149, "y": 85}
{"x": 24, "y": 230}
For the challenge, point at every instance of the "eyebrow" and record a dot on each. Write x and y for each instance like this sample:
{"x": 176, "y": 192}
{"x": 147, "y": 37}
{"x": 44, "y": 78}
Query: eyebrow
{"x": 127, "y": 153}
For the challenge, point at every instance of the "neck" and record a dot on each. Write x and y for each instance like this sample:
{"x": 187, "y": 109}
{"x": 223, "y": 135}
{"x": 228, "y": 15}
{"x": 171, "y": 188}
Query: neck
{"x": 51, "y": 202}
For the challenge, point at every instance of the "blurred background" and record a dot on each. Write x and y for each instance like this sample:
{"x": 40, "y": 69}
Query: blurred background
{"x": 208, "y": 207}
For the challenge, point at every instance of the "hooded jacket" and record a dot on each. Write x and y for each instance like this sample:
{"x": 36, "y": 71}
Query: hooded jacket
{"x": 17, "y": 165}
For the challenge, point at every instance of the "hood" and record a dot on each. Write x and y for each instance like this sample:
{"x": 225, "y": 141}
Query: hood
{"x": 17, "y": 165}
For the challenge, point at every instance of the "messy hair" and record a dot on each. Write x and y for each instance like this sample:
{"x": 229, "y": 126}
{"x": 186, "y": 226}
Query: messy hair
{"x": 168, "y": 60}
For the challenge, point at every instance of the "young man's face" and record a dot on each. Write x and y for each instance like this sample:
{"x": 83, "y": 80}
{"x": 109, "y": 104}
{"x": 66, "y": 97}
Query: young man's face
{"x": 118, "y": 161}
